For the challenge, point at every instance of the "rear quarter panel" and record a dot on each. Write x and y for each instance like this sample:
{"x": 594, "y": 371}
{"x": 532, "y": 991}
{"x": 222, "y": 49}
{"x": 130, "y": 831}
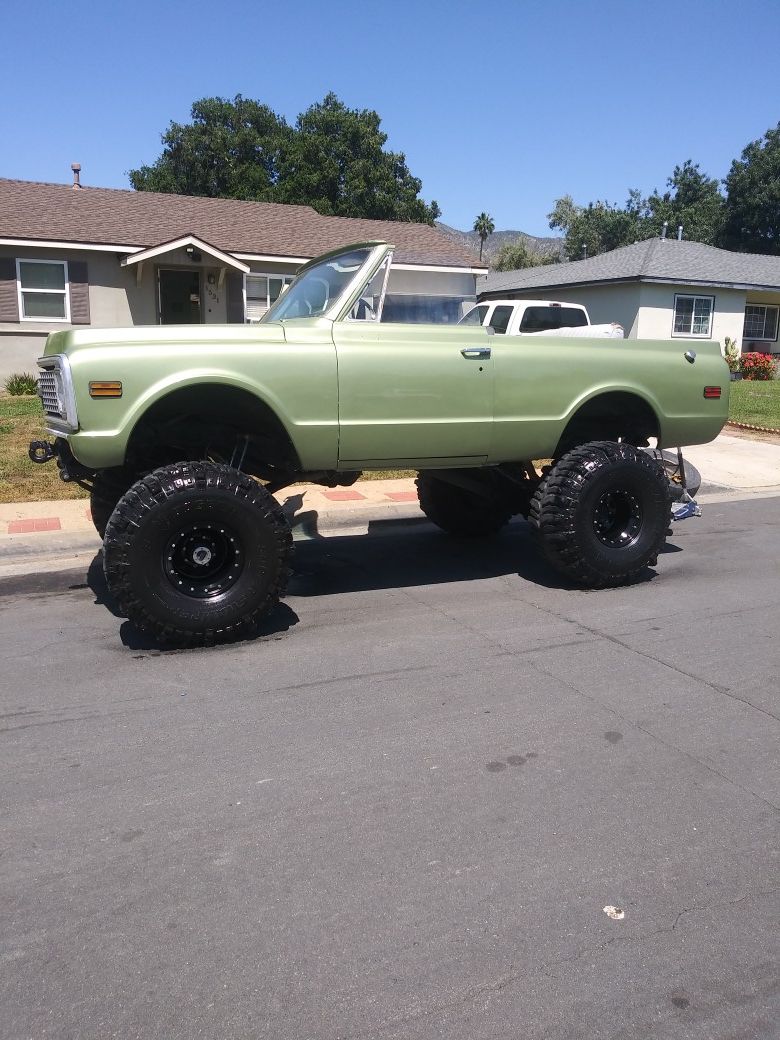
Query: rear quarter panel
{"x": 542, "y": 381}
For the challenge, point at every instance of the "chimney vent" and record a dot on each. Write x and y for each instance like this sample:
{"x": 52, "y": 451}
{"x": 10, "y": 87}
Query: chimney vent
{"x": 76, "y": 167}
{"x": 679, "y": 232}
{"x": 664, "y": 229}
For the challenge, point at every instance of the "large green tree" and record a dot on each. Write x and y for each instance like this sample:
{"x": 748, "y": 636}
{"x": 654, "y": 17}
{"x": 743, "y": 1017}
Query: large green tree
{"x": 333, "y": 159}
{"x": 337, "y": 163}
{"x": 599, "y": 226}
{"x": 752, "y": 219}
{"x": 229, "y": 150}
{"x": 693, "y": 201}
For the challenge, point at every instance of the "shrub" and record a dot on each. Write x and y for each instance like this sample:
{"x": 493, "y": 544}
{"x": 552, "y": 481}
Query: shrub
{"x": 758, "y": 366}
{"x": 22, "y": 384}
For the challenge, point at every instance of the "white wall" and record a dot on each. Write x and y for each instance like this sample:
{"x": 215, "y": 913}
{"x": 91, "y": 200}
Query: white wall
{"x": 656, "y": 312}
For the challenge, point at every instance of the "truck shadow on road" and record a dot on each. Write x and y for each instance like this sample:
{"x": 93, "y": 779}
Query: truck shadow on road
{"x": 393, "y": 554}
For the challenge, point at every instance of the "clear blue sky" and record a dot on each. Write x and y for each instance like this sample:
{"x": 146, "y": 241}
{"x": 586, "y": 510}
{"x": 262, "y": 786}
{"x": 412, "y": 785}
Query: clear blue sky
{"x": 499, "y": 106}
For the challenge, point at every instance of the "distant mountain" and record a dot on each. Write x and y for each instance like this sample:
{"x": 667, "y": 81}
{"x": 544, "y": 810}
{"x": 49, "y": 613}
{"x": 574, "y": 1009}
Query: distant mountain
{"x": 470, "y": 240}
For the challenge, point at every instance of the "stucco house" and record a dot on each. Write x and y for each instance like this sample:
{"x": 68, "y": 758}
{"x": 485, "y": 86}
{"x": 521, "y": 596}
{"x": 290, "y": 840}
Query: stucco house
{"x": 661, "y": 289}
{"x": 73, "y": 255}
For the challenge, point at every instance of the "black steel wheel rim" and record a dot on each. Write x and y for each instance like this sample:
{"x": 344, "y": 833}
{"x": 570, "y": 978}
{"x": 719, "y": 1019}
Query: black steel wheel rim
{"x": 617, "y": 519}
{"x": 203, "y": 560}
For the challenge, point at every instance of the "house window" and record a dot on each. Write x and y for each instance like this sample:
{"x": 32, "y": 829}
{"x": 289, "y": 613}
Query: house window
{"x": 43, "y": 290}
{"x": 693, "y": 315}
{"x": 760, "y": 322}
{"x": 261, "y": 291}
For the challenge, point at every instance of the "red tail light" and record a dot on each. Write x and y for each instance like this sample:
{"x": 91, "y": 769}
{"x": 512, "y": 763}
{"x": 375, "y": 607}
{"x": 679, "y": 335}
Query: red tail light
{"x": 712, "y": 391}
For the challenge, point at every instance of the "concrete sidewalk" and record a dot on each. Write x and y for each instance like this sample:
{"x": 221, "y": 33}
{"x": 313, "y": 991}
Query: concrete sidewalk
{"x": 740, "y": 463}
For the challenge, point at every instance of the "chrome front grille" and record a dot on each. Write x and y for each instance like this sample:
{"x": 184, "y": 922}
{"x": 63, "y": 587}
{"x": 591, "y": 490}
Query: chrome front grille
{"x": 47, "y": 389}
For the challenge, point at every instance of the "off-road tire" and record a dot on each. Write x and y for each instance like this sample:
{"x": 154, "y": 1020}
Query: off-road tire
{"x": 458, "y": 511}
{"x": 601, "y": 514}
{"x": 197, "y": 553}
{"x": 108, "y": 487}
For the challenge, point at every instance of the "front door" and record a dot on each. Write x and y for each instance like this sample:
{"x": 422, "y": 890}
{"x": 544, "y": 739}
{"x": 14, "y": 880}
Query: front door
{"x": 420, "y": 395}
{"x": 179, "y": 297}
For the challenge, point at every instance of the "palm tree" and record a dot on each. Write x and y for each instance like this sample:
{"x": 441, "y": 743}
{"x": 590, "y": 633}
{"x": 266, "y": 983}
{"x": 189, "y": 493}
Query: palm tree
{"x": 483, "y": 226}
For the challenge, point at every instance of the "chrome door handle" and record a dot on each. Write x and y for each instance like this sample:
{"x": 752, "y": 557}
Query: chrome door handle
{"x": 479, "y": 353}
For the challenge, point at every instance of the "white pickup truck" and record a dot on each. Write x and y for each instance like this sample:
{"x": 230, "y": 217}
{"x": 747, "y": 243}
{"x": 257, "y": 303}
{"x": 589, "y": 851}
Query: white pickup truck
{"x": 538, "y": 318}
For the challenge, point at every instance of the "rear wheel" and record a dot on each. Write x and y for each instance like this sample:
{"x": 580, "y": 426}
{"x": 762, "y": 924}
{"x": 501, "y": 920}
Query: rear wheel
{"x": 458, "y": 511}
{"x": 197, "y": 552}
{"x": 602, "y": 513}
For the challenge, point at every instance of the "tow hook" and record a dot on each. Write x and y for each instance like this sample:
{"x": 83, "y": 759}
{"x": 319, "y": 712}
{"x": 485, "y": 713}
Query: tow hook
{"x": 41, "y": 451}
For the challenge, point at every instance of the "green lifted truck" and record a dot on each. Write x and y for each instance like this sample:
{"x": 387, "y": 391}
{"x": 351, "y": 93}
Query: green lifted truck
{"x": 183, "y": 434}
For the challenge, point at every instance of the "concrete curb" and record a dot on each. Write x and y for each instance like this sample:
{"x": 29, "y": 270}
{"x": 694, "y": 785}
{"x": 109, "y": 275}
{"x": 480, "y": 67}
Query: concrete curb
{"x": 749, "y": 426}
{"x": 59, "y": 535}
{"x": 73, "y": 515}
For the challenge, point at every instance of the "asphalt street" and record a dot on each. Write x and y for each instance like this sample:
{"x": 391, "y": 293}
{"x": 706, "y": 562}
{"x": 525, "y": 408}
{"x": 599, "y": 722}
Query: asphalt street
{"x": 402, "y": 810}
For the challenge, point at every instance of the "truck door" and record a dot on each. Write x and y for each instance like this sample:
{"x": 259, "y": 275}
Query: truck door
{"x": 416, "y": 395}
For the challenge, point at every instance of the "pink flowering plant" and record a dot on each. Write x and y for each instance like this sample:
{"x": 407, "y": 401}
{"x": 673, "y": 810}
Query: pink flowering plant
{"x": 758, "y": 366}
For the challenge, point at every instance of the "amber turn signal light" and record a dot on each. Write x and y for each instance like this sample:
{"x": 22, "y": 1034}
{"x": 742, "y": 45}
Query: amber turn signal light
{"x": 712, "y": 392}
{"x": 111, "y": 388}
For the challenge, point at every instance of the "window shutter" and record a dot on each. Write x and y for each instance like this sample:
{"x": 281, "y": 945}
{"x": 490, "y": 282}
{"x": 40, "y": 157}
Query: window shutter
{"x": 79, "y": 292}
{"x": 9, "y": 301}
{"x": 235, "y": 298}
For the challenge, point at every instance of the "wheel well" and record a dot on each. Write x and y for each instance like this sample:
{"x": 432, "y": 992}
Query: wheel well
{"x": 617, "y": 415}
{"x": 210, "y": 420}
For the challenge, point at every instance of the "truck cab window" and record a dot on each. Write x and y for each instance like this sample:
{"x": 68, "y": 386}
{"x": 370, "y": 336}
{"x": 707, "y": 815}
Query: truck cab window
{"x": 499, "y": 320}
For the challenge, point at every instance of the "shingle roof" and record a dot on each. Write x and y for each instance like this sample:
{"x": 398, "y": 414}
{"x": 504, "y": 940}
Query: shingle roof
{"x": 113, "y": 216}
{"x": 654, "y": 260}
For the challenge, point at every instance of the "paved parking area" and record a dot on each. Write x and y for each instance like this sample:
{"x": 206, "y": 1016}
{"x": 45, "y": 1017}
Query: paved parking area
{"x": 402, "y": 810}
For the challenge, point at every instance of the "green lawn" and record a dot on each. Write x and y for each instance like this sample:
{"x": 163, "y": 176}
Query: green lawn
{"x": 756, "y": 403}
{"x": 21, "y": 421}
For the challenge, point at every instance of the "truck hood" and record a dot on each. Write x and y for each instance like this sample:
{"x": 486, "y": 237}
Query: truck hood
{"x": 72, "y": 341}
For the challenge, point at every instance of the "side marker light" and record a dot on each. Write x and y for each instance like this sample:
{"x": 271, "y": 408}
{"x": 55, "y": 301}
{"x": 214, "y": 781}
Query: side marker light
{"x": 110, "y": 388}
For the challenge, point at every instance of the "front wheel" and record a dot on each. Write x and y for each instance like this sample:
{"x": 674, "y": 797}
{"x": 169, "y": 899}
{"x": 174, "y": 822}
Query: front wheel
{"x": 196, "y": 553}
{"x": 602, "y": 513}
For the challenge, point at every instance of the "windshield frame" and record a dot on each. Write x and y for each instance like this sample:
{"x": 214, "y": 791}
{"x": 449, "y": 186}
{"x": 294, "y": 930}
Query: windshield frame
{"x": 341, "y": 304}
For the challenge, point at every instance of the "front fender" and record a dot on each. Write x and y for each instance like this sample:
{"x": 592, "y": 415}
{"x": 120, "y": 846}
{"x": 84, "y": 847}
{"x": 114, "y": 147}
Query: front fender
{"x": 105, "y": 430}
